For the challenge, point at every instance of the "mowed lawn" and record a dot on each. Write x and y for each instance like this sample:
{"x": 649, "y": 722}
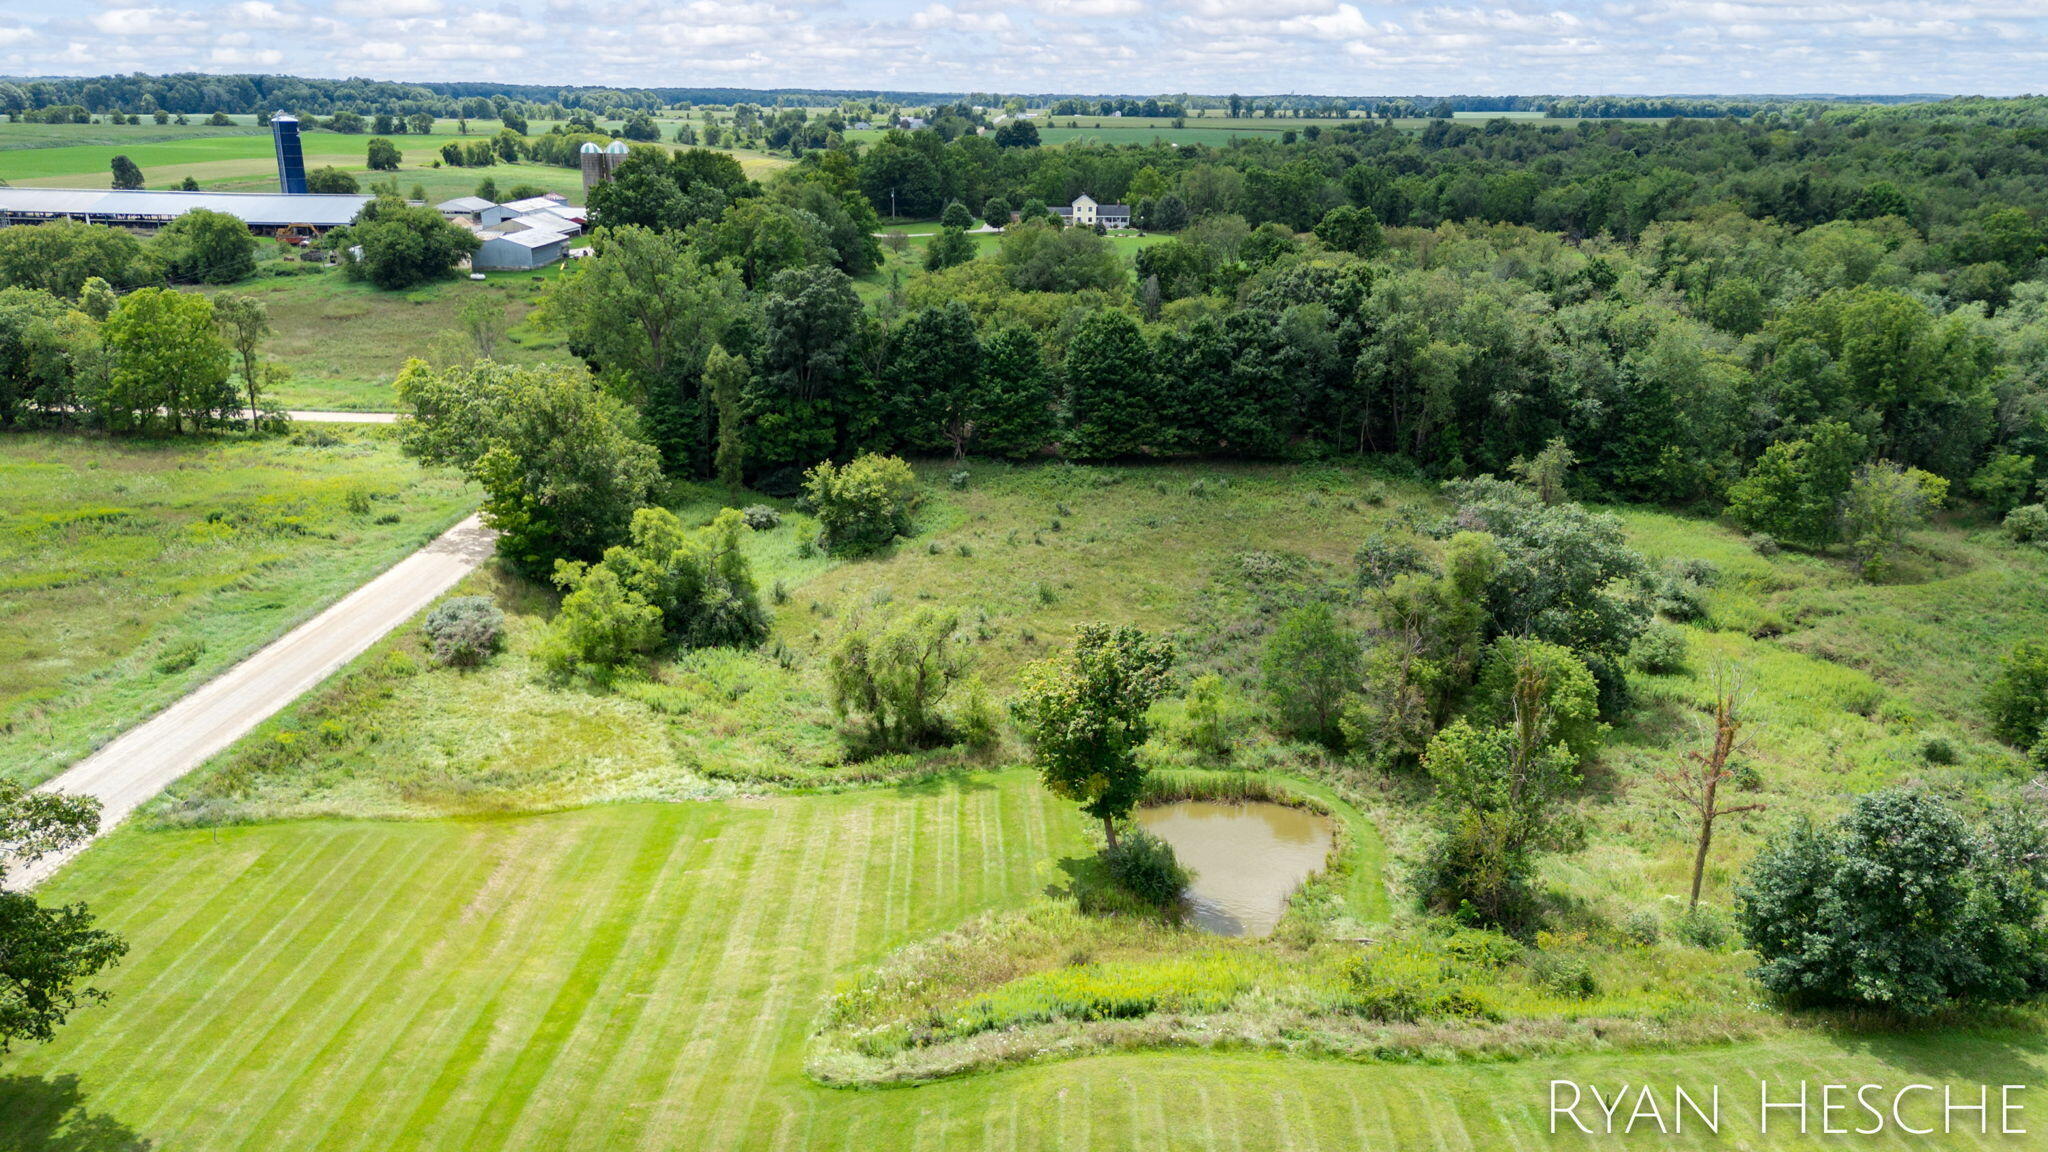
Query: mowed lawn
{"x": 645, "y": 976}
{"x": 133, "y": 570}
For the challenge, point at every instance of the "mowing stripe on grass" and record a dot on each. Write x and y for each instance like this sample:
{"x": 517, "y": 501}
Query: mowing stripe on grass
{"x": 646, "y": 976}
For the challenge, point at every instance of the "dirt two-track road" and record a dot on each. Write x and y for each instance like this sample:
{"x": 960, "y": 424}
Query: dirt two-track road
{"x": 141, "y": 762}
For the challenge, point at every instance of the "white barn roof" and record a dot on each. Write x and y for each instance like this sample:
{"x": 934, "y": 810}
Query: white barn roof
{"x": 117, "y": 206}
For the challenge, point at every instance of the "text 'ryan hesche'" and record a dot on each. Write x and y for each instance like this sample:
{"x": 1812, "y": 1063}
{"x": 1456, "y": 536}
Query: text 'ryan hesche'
{"x": 1795, "y": 1107}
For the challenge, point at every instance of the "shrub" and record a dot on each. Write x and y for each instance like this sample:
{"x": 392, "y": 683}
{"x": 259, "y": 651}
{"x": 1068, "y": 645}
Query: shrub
{"x": 893, "y": 679}
{"x": 1564, "y": 974}
{"x": 1145, "y": 866}
{"x": 1701, "y": 927}
{"x": 2028, "y": 524}
{"x": 1936, "y": 748}
{"x": 865, "y": 504}
{"x": 1643, "y": 926}
{"x": 602, "y": 627}
{"x": 2018, "y": 698}
{"x": 465, "y": 631}
{"x": 1764, "y": 544}
{"x": 357, "y": 501}
{"x": 179, "y": 655}
{"x": 1680, "y": 599}
{"x": 1660, "y": 650}
{"x": 1310, "y": 664}
{"x": 957, "y": 480}
{"x": 1902, "y": 906}
{"x": 761, "y": 517}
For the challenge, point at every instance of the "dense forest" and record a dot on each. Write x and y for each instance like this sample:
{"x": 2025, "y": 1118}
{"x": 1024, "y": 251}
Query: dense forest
{"x": 1751, "y": 314}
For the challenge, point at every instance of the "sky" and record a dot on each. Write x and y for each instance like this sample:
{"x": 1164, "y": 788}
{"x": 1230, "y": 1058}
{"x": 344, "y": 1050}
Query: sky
{"x": 1335, "y": 47}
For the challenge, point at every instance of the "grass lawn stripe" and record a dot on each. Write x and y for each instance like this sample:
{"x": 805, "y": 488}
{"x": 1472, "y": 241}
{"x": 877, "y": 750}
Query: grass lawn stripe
{"x": 497, "y": 1027}
{"x": 650, "y": 1044}
{"x": 602, "y": 950}
{"x": 322, "y": 1056}
{"x": 661, "y": 926}
{"x": 174, "y": 994}
{"x": 730, "y": 968}
{"x": 301, "y": 960}
{"x": 398, "y": 1101}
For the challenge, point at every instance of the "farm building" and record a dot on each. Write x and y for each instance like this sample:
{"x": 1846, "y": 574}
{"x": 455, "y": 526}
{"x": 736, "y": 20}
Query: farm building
{"x": 465, "y": 209}
{"x": 528, "y": 248}
{"x": 265, "y": 213}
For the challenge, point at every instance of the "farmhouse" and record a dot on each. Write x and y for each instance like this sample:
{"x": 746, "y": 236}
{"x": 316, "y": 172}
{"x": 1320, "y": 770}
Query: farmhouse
{"x": 1086, "y": 213}
{"x": 266, "y": 213}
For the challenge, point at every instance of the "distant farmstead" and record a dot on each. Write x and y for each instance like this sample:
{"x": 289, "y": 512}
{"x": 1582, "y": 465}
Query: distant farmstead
{"x": 266, "y": 213}
{"x": 1086, "y": 213}
{"x": 530, "y": 233}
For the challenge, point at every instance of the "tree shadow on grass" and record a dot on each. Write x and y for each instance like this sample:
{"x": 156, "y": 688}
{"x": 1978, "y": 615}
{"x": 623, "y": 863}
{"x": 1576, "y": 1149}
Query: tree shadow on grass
{"x": 49, "y": 1114}
{"x": 1989, "y": 1046}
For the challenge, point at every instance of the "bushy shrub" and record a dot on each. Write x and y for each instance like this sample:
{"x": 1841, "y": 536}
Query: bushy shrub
{"x": 957, "y": 480}
{"x": 865, "y": 504}
{"x": 1564, "y": 974}
{"x": 602, "y": 627}
{"x": 1680, "y": 599}
{"x": 1660, "y": 650}
{"x": 1643, "y": 926}
{"x": 1764, "y": 544}
{"x": 760, "y": 517}
{"x": 1145, "y": 866}
{"x": 1902, "y": 906}
{"x": 1936, "y": 748}
{"x": 179, "y": 655}
{"x": 465, "y": 631}
{"x": 2028, "y": 524}
{"x": 2018, "y": 697}
{"x": 1696, "y": 570}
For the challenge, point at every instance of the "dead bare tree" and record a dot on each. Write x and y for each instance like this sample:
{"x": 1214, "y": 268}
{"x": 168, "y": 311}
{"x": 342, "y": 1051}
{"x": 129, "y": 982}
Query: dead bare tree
{"x": 1697, "y": 779}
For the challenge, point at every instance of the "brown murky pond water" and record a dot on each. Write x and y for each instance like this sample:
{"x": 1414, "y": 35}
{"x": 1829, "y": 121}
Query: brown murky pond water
{"x": 1247, "y": 858}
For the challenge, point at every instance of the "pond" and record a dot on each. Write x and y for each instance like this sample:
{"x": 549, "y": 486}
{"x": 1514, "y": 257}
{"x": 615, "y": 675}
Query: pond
{"x": 1247, "y": 858}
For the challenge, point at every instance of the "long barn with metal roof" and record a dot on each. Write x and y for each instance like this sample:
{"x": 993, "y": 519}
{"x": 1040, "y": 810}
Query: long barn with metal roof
{"x": 261, "y": 211}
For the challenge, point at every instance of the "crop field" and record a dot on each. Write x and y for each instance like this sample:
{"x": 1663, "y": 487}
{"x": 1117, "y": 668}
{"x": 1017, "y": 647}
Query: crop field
{"x": 345, "y": 340}
{"x": 645, "y": 976}
{"x": 135, "y": 570}
{"x": 242, "y": 160}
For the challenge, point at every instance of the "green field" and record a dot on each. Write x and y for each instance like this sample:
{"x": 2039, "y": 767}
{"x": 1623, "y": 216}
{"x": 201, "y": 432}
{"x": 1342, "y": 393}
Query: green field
{"x": 345, "y": 340}
{"x": 242, "y": 160}
{"x": 135, "y": 570}
{"x": 645, "y": 977}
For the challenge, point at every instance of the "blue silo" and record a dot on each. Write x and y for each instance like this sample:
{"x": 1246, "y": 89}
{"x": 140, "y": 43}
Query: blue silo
{"x": 291, "y": 159}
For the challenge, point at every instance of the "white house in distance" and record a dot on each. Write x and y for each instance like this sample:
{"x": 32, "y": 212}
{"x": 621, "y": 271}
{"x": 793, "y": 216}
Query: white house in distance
{"x": 1086, "y": 213}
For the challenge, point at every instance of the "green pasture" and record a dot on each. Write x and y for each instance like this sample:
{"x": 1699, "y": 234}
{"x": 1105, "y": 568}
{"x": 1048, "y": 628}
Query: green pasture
{"x": 345, "y": 340}
{"x": 135, "y": 570}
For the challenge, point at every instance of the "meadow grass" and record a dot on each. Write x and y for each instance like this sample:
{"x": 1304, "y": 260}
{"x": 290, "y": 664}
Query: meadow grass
{"x": 134, "y": 570}
{"x": 647, "y": 976}
{"x": 655, "y": 974}
{"x": 345, "y": 340}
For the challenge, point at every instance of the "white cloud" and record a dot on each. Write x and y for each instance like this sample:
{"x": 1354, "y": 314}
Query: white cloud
{"x": 1361, "y": 47}
{"x": 147, "y": 22}
{"x": 386, "y": 9}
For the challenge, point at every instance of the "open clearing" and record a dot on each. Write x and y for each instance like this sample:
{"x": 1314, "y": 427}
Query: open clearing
{"x": 136, "y": 570}
{"x": 645, "y": 976}
{"x": 345, "y": 340}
